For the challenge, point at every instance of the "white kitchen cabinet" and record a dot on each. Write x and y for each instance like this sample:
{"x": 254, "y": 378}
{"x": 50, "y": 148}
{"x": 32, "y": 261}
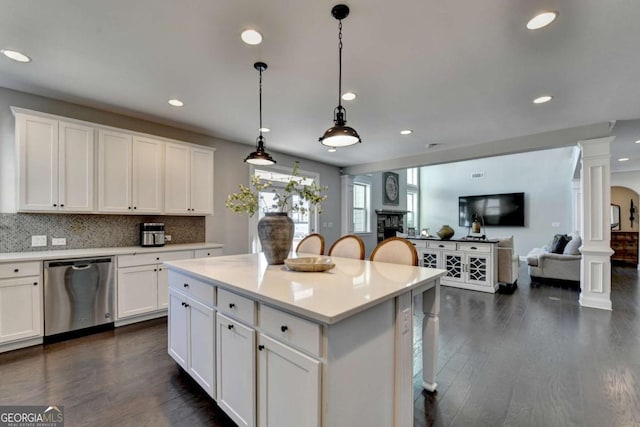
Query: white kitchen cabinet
{"x": 236, "y": 370}
{"x": 129, "y": 173}
{"x": 55, "y": 165}
{"x": 20, "y": 302}
{"x": 192, "y": 338}
{"x": 288, "y": 386}
{"x": 143, "y": 283}
{"x": 188, "y": 180}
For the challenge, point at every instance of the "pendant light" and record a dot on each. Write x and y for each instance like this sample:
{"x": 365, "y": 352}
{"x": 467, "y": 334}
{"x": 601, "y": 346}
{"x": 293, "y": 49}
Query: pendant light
{"x": 340, "y": 135}
{"x": 260, "y": 157}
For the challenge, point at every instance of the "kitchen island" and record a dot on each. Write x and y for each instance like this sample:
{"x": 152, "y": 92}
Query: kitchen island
{"x": 280, "y": 348}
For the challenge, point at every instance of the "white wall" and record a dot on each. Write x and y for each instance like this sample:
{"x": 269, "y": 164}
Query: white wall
{"x": 544, "y": 176}
{"x": 224, "y": 226}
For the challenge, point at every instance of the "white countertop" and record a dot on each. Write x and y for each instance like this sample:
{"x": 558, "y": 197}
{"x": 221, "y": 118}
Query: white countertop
{"x": 91, "y": 252}
{"x": 327, "y": 297}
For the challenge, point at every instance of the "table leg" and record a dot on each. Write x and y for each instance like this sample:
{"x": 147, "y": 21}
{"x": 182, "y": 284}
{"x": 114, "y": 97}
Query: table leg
{"x": 430, "y": 330}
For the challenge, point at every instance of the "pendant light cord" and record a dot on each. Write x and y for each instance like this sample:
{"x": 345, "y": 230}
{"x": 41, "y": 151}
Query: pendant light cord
{"x": 260, "y": 130}
{"x": 340, "y": 63}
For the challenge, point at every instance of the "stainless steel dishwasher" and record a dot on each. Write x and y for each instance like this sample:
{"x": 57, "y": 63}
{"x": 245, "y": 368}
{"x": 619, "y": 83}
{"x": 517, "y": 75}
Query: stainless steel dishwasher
{"x": 78, "y": 294}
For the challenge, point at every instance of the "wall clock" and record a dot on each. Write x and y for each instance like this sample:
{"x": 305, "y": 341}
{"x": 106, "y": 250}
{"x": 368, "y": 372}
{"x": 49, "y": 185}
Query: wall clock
{"x": 391, "y": 188}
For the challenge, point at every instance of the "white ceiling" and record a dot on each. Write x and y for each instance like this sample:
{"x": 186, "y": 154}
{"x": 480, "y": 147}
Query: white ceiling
{"x": 456, "y": 72}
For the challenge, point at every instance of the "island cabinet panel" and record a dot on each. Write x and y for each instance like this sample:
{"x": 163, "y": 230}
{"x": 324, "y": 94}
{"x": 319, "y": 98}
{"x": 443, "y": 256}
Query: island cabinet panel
{"x": 236, "y": 370}
{"x": 289, "y": 386}
{"x": 191, "y": 338}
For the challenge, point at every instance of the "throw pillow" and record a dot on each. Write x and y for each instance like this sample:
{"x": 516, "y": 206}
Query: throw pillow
{"x": 573, "y": 247}
{"x": 559, "y": 242}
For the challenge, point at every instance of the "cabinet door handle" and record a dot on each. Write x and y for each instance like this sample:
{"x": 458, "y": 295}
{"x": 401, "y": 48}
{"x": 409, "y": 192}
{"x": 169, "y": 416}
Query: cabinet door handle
{"x": 231, "y": 305}
{"x": 135, "y": 207}
{"x": 260, "y": 347}
{"x": 229, "y": 327}
{"x": 186, "y": 305}
{"x": 155, "y": 269}
{"x": 35, "y": 283}
{"x": 208, "y": 254}
{"x": 186, "y": 285}
{"x": 157, "y": 258}
{"x": 284, "y": 328}
{"x": 62, "y": 205}
{"x": 54, "y": 205}
{"x": 182, "y": 303}
{"x": 159, "y": 269}
{"x": 129, "y": 207}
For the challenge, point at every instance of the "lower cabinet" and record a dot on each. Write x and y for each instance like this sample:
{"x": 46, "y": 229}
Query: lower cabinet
{"x": 143, "y": 282}
{"x": 192, "y": 338}
{"x": 236, "y": 370}
{"x": 20, "y": 309}
{"x": 288, "y": 386}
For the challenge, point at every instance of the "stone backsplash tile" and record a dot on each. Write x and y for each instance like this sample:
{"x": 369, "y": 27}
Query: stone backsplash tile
{"x": 90, "y": 231}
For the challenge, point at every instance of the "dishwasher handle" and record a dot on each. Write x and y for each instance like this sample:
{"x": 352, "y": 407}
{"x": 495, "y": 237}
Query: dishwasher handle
{"x": 77, "y": 264}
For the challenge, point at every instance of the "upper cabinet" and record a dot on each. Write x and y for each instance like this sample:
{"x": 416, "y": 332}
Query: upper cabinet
{"x": 188, "y": 180}
{"x": 55, "y": 165}
{"x": 129, "y": 173}
{"x": 60, "y": 169}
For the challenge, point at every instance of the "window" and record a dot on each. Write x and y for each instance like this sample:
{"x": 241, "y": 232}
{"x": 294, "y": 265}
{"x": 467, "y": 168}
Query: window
{"x": 412, "y": 198}
{"x": 361, "y": 207}
{"x": 279, "y": 176}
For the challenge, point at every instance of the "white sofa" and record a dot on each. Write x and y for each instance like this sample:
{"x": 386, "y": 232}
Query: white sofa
{"x": 543, "y": 264}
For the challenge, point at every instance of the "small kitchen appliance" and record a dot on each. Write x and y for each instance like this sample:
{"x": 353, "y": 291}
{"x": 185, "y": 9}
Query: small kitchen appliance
{"x": 152, "y": 234}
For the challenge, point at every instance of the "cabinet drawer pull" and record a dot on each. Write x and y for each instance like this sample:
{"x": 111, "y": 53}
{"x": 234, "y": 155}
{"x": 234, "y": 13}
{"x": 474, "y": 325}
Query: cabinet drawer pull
{"x": 284, "y": 328}
{"x": 186, "y": 305}
{"x": 473, "y": 247}
{"x": 129, "y": 207}
{"x": 229, "y": 327}
{"x": 186, "y": 285}
{"x": 182, "y": 303}
{"x": 441, "y": 246}
{"x": 16, "y": 270}
{"x": 135, "y": 207}
{"x": 157, "y": 258}
{"x": 155, "y": 269}
{"x": 231, "y": 305}
{"x": 35, "y": 283}
{"x": 260, "y": 347}
{"x": 62, "y": 205}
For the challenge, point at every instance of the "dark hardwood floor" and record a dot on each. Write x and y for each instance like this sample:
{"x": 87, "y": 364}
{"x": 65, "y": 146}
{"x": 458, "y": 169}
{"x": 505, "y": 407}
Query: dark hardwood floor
{"x": 534, "y": 358}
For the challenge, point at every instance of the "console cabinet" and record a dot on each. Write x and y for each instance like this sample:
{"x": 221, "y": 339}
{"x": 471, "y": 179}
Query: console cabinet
{"x": 469, "y": 264}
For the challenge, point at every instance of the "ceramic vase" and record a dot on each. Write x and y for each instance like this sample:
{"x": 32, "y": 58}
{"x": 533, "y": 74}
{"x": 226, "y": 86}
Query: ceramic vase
{"x": 275, "y": 231}
{"x": 446, "y": 232}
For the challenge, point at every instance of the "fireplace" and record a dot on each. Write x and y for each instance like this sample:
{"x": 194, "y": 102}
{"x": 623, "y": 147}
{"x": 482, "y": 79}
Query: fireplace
{"x": 389, "y": 222}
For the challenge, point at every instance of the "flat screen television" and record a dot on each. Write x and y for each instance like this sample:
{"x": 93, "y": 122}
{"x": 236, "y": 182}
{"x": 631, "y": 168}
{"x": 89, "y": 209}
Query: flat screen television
{"x": 495, "y": 209}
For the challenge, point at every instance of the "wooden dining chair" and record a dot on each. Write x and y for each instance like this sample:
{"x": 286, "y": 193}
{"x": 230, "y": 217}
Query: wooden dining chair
{"x": 312, "y": 244}
{"x": 349, "y": 246}
{"x": 396, "y": 250}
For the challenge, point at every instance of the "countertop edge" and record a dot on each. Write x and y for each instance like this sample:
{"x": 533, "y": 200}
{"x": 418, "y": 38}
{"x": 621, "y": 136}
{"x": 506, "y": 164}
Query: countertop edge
{"x": 81, "y": 253}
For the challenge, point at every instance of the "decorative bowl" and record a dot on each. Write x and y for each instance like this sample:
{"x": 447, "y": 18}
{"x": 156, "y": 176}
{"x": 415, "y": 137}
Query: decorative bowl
{"x": 309, "y": 264}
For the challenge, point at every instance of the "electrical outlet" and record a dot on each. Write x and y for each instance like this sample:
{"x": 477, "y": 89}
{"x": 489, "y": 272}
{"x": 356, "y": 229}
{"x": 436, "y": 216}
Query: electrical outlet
{"x": 38, "y": 241}
{"x": 167, "y": 237}
{"x": 58, "y": 241}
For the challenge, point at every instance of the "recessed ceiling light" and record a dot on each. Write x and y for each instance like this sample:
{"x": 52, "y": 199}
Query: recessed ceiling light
{"x": 406, "y": 132}
{"x": 542, "y": 99}
{"x": 623, "y": 159}
{"x": 251, "y": 37}
{"x": 15, "y": 55}
{"x": 265, "y": 130}
{"x": 332, "y": 150}
{"x": 349, "y": 96}
{"x": 176, "y": 102}
{"x": 542, "y": 20}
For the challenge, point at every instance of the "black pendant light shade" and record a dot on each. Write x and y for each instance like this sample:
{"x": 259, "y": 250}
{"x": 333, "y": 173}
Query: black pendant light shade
{"x": 340, "y": 135}
{"x": 260, "y": 157}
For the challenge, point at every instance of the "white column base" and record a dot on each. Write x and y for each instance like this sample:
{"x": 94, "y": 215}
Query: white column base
{"x": 595, "y": 279}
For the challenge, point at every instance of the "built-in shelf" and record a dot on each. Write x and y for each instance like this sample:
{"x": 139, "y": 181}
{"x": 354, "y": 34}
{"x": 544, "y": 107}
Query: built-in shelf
{"x": 389, "y": 222}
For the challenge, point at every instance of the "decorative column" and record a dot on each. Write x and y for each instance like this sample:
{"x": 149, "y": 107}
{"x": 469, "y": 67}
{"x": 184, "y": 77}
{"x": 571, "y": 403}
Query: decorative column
{"x": 595, "y": 266}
